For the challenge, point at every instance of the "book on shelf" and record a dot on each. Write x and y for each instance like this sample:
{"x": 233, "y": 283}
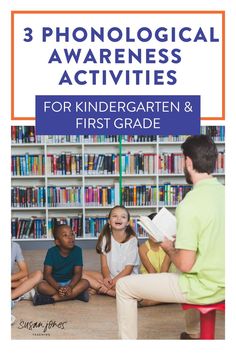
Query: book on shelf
{"x": 28, "y": 228}
{"x": 161, "y": 226}
{"x": 75, "y": 222}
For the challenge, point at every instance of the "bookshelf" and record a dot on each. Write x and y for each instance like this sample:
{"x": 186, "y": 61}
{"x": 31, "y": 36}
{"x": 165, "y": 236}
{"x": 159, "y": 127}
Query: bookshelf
{"x": 77, "y": 179}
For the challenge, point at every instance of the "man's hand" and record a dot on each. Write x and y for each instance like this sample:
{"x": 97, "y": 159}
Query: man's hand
{"x": 167, "y": 245}
{"x": 182, "y": 259}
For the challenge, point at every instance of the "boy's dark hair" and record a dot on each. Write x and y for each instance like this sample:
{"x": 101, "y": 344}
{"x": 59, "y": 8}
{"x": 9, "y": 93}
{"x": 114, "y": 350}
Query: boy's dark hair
{"x": 202, "y": 151}
{"x": 106, "y": 232}
{"x": 56, "y": 227}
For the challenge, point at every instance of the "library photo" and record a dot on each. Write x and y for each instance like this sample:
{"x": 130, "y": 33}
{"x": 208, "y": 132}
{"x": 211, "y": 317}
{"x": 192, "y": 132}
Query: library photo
{"x": 117, "y": 236}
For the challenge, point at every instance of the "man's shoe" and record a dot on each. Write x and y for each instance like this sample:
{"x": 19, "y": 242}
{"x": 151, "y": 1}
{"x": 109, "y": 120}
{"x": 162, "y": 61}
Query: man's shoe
{"x": 40, "y": 299}
{"x": 185, "y": 335}
{"x": 84, "y": 296}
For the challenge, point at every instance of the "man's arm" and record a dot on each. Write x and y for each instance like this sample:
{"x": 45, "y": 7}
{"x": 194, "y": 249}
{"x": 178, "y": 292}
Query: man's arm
{"x": 182, "y": 259}
{"x": 22, "y": 272}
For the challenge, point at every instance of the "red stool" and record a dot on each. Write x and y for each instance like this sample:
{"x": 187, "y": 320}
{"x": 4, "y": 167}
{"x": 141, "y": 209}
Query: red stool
{"x": 207, "y": 317}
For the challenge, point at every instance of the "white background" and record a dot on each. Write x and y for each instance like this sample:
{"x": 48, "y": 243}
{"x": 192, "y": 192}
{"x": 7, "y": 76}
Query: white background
{"x": 198, "y": 73}
{"x": 208, "y": 347}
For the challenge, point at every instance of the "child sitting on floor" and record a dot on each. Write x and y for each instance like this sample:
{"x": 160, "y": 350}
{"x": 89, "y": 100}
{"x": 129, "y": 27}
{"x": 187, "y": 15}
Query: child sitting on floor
{"x": 118, "y": 249}
{"x": 62, "y": 271}
{"x": 154, "y": 260}
{"x": 22, "y": 282}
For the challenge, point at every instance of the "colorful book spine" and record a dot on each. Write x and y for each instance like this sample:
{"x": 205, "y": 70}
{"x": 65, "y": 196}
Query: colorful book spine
{"x": 27, "y": 165}
{"x": 75, "y": 222}
{"x": 27, "y": 197}
{"x": 139, "y": 195}
{"x": 171, "y": 195}
{"x": 137, "y": 228}
{"x": 66, "y": 163}
{"x": 28, "y": 228}
{"x": 100, "y": 195}
{"x": 94, "y": 225}
{"x": 139, "y": 163}
{"x": 25, "y": 135}
{"x": 69, "y": 196}
{"x": 170, "y": 163}
{"x": 103, "y": 164}
{"x": 220, "y": 163}
{"x": 64, "y": 139}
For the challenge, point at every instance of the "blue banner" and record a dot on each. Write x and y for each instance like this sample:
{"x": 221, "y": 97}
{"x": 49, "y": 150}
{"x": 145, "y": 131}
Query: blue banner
{"x": 117, "y": 115}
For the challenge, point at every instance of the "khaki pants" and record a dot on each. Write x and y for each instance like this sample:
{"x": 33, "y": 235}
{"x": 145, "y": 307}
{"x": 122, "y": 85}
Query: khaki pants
{"x": 163, "y": 287}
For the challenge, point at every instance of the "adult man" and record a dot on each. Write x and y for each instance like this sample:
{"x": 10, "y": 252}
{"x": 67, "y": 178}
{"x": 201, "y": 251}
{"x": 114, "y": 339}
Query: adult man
{"x": 198, "y": 252}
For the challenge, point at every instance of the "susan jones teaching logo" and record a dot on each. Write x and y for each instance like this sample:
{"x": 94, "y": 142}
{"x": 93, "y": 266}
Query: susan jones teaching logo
{"x": 42, "y": 328}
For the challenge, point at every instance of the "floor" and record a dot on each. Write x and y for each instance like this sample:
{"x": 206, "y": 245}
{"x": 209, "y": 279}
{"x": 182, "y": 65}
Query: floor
{"x": 96, "y": 319}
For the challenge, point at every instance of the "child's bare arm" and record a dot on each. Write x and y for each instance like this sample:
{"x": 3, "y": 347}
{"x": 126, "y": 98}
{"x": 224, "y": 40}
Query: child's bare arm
{"x": 47, "y": 275}
{"x": 144, "y": 259}
{"x": 104, "y": 266}
{"x": 22, "y": 272}
{"x": 77, "y": 276}
{"x": 126, "y": 271}
{"x": 166, "y": 264}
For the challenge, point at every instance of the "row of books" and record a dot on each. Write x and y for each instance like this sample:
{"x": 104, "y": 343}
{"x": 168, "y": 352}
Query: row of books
{"x": 115, "y": 138}
{"x": 146, "y": 195}
{"x": 65, "y": 163}
{"x": 170, "y": 163}
{"x": 100, "y": 196}
{"x": 104, "y": 164}
{"x": 140, "y": 195}
{"x": 28, "y": 228}
{"x": 27, "y": 134}
{"x": 27, "y": 165}
{"x": 30, "y": 197}
{"x": 35, "y": 228}
{"x": 101, "y": 164}
{"x": 172, "y": 194}
{"x": 174, "y": 163}
{"x": 216, "y": 132}
{"x": 69, "y": 196}
{"x": 139, "y": 163}
{"x": 72, "y": 196}
{"x": 27, "y": 197}
{"x": 94, "y": 225}
{"x": 75, "y": 222}
{"x": 24, "y": 134}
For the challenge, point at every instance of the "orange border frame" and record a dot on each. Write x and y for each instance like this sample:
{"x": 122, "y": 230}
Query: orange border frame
{"x": 13, "y": 13}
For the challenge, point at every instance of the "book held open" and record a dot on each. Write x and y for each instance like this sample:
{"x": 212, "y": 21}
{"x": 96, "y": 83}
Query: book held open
{"x": 162, "y": 225}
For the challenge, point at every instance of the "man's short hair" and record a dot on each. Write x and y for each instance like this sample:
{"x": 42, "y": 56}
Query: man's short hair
{"x": 202, "y": 151}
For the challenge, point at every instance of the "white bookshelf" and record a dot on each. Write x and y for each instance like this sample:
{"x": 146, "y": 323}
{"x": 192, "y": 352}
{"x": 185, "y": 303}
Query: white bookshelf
{"x": 83, "y": 180}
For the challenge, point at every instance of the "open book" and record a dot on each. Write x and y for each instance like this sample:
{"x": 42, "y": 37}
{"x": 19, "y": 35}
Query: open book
{"x": 162, "y": 225}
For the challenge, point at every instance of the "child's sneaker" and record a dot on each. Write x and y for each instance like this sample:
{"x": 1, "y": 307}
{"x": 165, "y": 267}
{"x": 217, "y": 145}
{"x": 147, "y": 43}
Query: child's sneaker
{"x": 40, "y": 299}
{"x": 13, "y": 319}
{"x": 29, "y": 295}
{"x": 84, "y": 296}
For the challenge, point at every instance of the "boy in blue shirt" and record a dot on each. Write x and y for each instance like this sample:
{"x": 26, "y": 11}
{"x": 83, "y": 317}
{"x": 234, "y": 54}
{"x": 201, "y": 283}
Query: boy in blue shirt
{"x": 62, "y": 271}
